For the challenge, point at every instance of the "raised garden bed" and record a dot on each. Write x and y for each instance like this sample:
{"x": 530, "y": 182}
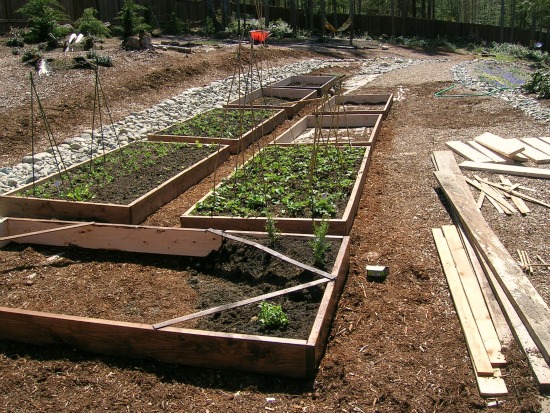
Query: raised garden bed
{"x": 358, "y": 104}
{"x": 235, "y": 127}
{"x": 338, "y": 128}
{"x": 287, "y": 99}
{"x": 123, "y": 186}
{"x": 280, "y": 182}
{"x": 215, "y": 282}
{"x": 321, "y": 84}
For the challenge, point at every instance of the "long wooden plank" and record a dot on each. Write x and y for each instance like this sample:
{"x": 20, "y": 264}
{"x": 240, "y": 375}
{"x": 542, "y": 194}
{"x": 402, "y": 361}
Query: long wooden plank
{"x": 45, "y": 231}
{"x": 516, "y": 193}
{"x": 495, "y": 157}
{"x": 507, "y": 169}
{"x": 518, "y": 202}
{"x": 237, "y": 304}
{"x": 265, "y": 355}
{"x": 492, "y": 196}
{"x": 532, "y": 153}
{"x": 474, "y": 342}
{"x": 532, "y": 309}
{"x": 538, "y": 144}
{"x": 545, "y": 139}
{"x": 467, "y": 151}
{"x": 499, "y": 321}
{"x": 144, "y": 239}
{"x": 539, "y": 367}
{"x": 492, "y": 386}
{"x": 474, "y": 296}
{"x": 498, "y": 144}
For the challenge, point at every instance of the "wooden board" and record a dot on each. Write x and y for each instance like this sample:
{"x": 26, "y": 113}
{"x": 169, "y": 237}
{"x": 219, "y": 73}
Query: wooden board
{"x": 135, "y": 212}
{"x": 532, "y": 309}
{"x": 235, "y": 145}
{"x": 258, "y": 354}
{"x": 338, "y": 128}
{"x": 495, "y": 157}
{"x": 297, "y": 99}
{"x": 532, "y": 153}
{"x": 467, "y": 151}
{"x": 539, "y": 367}
{"x": 474, "y": 296}
{"x": 518, "y": 202}
{"x": 474, "y": 342}
{"x": 142, "y": 239}
{"x": 499, "y": 145}
{"x": 538, "y": 144}
{"x": 507, "y": 169}
{"x": 545, "y": 139}
{"x": 321, "y": 84}
{"x": 358, "y": 104}
{"x": 337, "y": 226}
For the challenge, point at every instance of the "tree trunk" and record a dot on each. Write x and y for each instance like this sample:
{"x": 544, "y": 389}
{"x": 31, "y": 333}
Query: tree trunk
{"x": 310, "y": 14}
{"x": 334, "y": 14}
{"x": 413, "y": 8}
{"x": 512, "y": 21}
{"x": 403, "y": 17}
{"x": 351, "y": 26}
{"x": 266, "y": 13}
{"x": 293, "y": 22}
{"x": 501, "y": 21}
{"x": 533, "y": 25}
{"x": 323, "y": 18}
{"x": 392, "y": 8}
{"x": 423, "y": 9}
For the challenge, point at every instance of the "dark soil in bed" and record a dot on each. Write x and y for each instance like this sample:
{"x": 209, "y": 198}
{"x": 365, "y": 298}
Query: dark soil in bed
{"x": 133, "y": 287}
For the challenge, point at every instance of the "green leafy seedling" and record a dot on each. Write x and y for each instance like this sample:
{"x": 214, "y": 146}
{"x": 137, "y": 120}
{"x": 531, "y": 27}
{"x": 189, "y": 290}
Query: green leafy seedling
{"x": 272, "y": 315}
{"x": 319, "y": 243}
{"x": 273, "y": 232}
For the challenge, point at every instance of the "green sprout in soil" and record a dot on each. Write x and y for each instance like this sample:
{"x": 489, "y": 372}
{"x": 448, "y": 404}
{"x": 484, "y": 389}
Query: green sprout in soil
{"x": 221, "y": 123}
{"x": 272, "y": 315}
{"x": 319, "y": 243}
{"x": 273, "y": 232}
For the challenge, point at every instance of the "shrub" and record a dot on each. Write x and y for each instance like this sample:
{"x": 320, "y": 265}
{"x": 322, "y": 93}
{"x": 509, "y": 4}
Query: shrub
{"x": 174, "y": 25}
{"x": 43, "y": 18}
{"x": 15, "y": 38}
{"x": 272, "y": 315}
{"x": 100, "y": 60}
{"x": 273, "y": 232}
{"x": 31, "y": 55}
{"x": 90, "y": 25}
{"x": 130, "y": 19}
{"x": 280, "y": 29}
{"x": 539, "y": 84}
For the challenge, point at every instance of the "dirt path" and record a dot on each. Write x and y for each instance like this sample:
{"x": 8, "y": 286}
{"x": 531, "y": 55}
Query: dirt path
{"x": 395, "y": 346}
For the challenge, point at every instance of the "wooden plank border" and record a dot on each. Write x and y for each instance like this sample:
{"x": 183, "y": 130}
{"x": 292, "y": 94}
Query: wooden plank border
{"x": 302, "y": 98}
{"x": 337, "y": 226}
{"x": 334, "y": 103}
{"x": 235, "y": 145}
{"x": 333, "y": 120}
{"x": 198, "y": 348}
{"x": 321, "y": 84}
{"x": 133, "y": 213}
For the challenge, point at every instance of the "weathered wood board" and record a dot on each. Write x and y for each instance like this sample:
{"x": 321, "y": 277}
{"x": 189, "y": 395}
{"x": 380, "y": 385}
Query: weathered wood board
{"x": 336, "y": 128}
{"x": 495, "y": 157}
{"x": 133, "y": 213}
{"x": 500, "y": 145}
{"x": 198, "y": 348}
{"x": 467, "y": 152}
{"x": 539, "y": 144}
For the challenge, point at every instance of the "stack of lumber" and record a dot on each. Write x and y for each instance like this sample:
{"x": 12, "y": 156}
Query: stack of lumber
{"x": 499, "y": 276}
{"x": 490, "y": 148}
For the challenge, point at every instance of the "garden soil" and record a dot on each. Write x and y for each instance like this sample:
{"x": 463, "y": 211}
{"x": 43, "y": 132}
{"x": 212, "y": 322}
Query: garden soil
{"x": 394, "y": 346}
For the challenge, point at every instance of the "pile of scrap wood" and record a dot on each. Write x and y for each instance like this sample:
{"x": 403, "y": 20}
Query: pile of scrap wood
{"x": 490, "y": 148}
{"x": 493, "y": 297}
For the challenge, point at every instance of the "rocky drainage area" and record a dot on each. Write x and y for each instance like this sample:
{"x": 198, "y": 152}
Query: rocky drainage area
{"x": 137, "y": 125}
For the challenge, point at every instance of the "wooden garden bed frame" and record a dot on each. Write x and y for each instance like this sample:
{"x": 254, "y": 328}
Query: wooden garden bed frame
{"x": 337, "y": 226}
{"x": 333, "y": 121}
{"x": 336, "y": 103}
{"x": 299, "y": 97}
{"x": 322, "y": 84}
{"x": 198, "y": 348}
{"x": 133, "y": 213}
{"x": 235, "y": 145}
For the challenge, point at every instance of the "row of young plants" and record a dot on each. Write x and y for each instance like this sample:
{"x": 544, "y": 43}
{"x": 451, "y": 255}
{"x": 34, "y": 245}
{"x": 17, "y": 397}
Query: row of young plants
{"x": 95, "y": 181}
{"x": 307, "y": 181}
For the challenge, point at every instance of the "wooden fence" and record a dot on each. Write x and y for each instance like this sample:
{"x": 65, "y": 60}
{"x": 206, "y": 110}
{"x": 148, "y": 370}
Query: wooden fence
{"x": 194, "y": 12}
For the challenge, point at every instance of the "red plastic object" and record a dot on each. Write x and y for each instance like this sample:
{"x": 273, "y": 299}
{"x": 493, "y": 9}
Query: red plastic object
{"x": 259, "y": 35}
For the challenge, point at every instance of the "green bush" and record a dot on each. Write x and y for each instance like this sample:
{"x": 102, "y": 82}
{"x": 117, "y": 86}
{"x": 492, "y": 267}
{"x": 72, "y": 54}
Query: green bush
{"x": 43, "y": 18}
{"x": 130, "y": 19}
{"x": 100, "y": 60}
{"x": 31, "y": 55}
{"x": 280, "y": 29}
{"x": 174, "y": 25}
{"x": 90, "y": 25}
{"x": 15, "y": 38}
{"x": 272, "y": 315}
{"x": 319, "y": 243}
{"x": 539, "y": 84}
